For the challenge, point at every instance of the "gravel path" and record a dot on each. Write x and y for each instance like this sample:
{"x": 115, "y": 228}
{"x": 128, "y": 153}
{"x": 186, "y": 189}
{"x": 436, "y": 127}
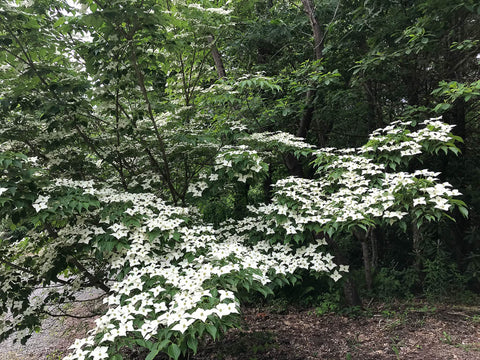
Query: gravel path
{"x": 57, "y": 334}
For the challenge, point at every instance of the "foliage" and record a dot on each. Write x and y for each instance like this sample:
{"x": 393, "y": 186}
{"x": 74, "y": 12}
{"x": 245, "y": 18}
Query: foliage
{"x": 132, "y": 165}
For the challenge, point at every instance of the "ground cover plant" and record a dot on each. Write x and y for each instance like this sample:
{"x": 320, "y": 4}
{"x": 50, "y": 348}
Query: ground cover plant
{"x": 133, "y": 163}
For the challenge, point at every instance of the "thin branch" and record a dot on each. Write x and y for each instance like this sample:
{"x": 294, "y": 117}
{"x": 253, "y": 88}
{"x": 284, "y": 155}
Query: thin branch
{"x": 117, "y": 132}
{"x": 21, "y": 268}
{"x": 93, "y": 279}
{"x": 333, "y": 18}
{"x": 29, "y": 60}
{"x": 344, "y": 134}
{"x": 92, "y": 299}
{"x": 64, "y": 314}
{"x": 141, "y": 82}
{"x": 184, "y": 81}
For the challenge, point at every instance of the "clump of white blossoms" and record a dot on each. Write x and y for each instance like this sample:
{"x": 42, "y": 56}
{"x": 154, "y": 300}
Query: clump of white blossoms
{"x": 180, "y": 275}
{"x": 280, "y": 138}
{"x": 175, "y": 278}
{"x": 232, "y": 163}
{"x": 398, "y": 137}
{"x": 356, "y": 188}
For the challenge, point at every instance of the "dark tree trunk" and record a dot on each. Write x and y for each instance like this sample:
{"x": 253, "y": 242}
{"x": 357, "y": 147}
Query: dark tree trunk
{"x": 416, "y": 238}
{"x": 267, "y": 187}
{"x": 367, "y": 264}
{"x": 363, "y": 237}
{"x": 374, "y": 247}
{"x": 349, "y": 287}
{"x": 309, "y": 8}
{"x": 307, "y": 117}
{"x": 293, "y": 165}
{"x": 217, "y": 58}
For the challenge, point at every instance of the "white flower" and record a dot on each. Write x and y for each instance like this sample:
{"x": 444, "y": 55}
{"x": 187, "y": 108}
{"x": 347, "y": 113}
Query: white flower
{"x": 41, "y": 203}
{"x": 2, "y": 190}
{"x": 183, "y": 325}
{"x": 160, "y": 307}
{"x": 419, "y": 201}
{"x": 100, "y": 352}
{"x": 441, "y": 203}
{"x": 223, "y": 309}
{"x": 201, "y": 314}
{"x": 336, "y": 276}
{"x": 149, "y": 327}
{"x": 291, "y": 230}
{"x": 219, "y": 11}
{"x": 78, "y": 344}
{"x": 243, "y": 177}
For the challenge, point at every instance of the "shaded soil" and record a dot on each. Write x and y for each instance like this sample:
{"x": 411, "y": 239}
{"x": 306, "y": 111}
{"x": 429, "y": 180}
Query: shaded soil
{"x": 415, "y": 330}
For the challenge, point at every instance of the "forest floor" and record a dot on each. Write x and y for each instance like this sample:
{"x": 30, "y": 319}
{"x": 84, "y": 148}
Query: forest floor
{"x": 407, "y": 330}
{"x": 401, "y": 331}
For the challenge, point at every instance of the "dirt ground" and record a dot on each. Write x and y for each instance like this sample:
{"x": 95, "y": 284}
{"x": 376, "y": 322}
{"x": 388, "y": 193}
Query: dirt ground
{"x": 414, "y": 330}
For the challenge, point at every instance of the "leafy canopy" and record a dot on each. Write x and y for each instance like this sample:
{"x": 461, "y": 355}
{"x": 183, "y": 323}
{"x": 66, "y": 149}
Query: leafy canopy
{"x": 117, "y": 139}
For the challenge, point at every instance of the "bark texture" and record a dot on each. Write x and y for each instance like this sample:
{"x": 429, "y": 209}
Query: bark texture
{"x": 217, "y": 58}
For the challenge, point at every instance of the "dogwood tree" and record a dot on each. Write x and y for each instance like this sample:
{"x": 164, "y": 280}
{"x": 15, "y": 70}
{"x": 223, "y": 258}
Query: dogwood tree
{"x": 116, "y": 142}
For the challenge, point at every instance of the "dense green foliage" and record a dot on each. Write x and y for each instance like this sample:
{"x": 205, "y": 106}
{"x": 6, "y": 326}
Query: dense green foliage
{"x": 181, "y": 155}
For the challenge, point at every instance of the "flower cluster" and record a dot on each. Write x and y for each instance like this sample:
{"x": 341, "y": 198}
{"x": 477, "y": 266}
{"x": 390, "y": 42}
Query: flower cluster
{"x": 237, "y": 163}
{"x": 219, "y": 11}
{"x": 398, "y": 138}
{"x": 180, "y": 274}
{"x": 356, "y": 189}
{"x": 41, "y": 203}
{"x": 173, "y": 278}
{"x": 280, "y": 139}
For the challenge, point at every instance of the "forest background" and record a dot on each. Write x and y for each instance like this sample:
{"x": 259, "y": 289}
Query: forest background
{"x": 132, "y": 113}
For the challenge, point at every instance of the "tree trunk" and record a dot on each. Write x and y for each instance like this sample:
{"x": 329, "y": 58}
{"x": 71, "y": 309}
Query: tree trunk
{"x": 367, "y": 264}
{"x": 375, "y": 113}
{"x": 309, "y": 8}
{"x": 416, "y": 237}
{"x": 351, "y": 294}
{"x": 293, "y": 165}
{"x": 307, "y": 115}
{"x": 217, "y": 58}
{"x": 374, "y": 247}
{"x": 267, "y": 186}
{"x": 363, "y": 237}
{"x": 349, "y": 287}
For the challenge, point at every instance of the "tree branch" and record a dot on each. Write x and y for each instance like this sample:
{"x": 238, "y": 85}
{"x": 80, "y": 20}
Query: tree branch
{"x": 141, "y": 83}
{"x": 93, "y": 279}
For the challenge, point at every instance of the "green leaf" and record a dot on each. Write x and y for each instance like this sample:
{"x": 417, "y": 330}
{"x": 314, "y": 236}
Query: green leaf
{"x": 60, "y": 21}
{"x": 192, "y": 343}
{"x": 330, "y": 231}
{"x": 212, "y": 330}
{"x": 174, "y": 351}
{"x": 152, "y": 354}
{"x": 265, "y": 291}
{"x": 246, "y": 285}
{"x": 200, "y": 329}
{"x": 463, "y": 211}
{"x": 141, "y": 343}
{"x": 162, "y": 345}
